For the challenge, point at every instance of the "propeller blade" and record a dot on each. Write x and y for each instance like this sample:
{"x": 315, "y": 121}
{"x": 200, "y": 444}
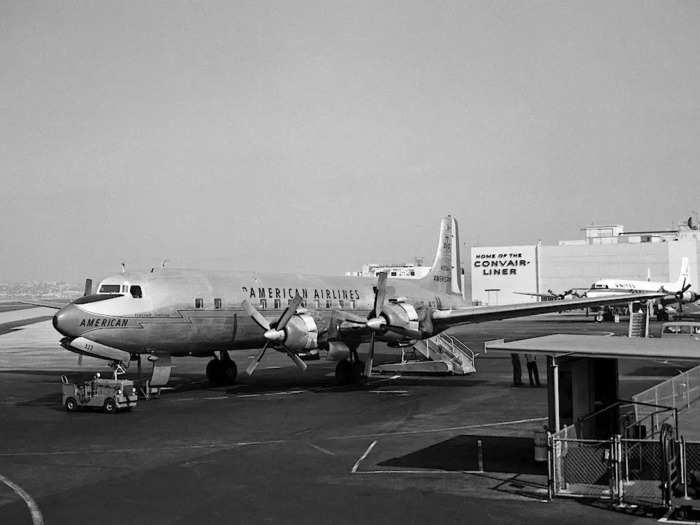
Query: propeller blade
{"x": 88, "y": 287}
{"x": 380, "y": 294}
{"x": 289, "y": 312}
{"x": 257, "y": 316}
{"x": 297, "y": 360}
{"x": 370, "y": 358}
{"x": 252, "y": 366}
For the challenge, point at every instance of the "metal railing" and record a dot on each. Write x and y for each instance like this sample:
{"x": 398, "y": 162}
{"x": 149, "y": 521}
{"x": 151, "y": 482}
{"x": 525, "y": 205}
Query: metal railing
{"x": 446, "y": 344}
{"x": 678, "y": 392}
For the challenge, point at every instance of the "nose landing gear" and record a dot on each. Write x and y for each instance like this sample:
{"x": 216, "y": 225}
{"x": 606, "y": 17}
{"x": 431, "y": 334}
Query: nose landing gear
{"x": 222, "y": 371}
{"x": 350, "y": 371}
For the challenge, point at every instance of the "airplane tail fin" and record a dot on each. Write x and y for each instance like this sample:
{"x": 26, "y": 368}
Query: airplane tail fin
{"x": 683, "y": 278}
{"x": 445, "y": 275}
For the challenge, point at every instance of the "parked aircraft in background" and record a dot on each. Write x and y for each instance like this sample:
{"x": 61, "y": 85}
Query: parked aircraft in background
{"x": 554, "y": 296}
{"x": 171, "y": 312}
{"x": 675, "y": 293}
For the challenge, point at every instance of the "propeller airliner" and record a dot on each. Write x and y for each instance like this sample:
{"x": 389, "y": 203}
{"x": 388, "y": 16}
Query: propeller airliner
{"x": 175, "y": 312}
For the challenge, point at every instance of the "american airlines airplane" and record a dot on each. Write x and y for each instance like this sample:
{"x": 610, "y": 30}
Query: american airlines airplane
{"x": 173, "y": 312}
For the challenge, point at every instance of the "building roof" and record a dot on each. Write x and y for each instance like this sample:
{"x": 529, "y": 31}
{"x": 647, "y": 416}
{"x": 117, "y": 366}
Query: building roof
{"x": 675, "y": 347}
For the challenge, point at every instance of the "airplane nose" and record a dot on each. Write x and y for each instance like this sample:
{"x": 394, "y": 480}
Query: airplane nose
{"x": 66, "y": 321}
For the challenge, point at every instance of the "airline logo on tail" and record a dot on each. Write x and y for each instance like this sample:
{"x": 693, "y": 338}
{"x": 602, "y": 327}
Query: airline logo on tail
{"x": 444, "y": 276}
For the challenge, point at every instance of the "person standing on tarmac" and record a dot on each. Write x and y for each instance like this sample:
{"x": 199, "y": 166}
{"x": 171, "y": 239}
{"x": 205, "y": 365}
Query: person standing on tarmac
{"x": 517, "y": 370}
{"x": 532, "y": 371}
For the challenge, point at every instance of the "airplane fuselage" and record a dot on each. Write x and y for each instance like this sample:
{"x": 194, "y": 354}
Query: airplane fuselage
{"x": 190, "y": 312}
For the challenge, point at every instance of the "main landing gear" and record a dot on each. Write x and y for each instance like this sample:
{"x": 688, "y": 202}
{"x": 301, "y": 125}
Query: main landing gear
{"x": 350, "y": 371}
{"x": 222, "y": 371}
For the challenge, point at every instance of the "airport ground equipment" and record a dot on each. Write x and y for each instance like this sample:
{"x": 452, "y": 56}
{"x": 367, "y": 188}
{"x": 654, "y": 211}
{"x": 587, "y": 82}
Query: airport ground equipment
{"x": 445, "y": 355}
{"x": 110, "y": 395}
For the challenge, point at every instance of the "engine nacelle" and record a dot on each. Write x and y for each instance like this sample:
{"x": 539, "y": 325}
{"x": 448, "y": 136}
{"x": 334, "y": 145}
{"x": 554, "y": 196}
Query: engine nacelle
{"x": 688, "y": 297}
{"x": 301, "y": 333}
{"x": 403, "y": 318}
{"x": 337, "y": 351}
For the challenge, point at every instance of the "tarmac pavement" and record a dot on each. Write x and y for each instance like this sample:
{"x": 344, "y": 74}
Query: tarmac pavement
{"x": 282, "y": 446}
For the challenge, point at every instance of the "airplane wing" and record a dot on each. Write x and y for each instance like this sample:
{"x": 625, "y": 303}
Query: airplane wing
{"x": 55, "y": 306}
{"x": 446, "y": 318}
{"x": 533, "y": 294}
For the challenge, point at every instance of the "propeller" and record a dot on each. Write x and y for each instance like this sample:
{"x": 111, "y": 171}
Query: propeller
{"x": 274, "y": 333}
{"x": 679, "y": 295}
{"x": 375, "y": 322}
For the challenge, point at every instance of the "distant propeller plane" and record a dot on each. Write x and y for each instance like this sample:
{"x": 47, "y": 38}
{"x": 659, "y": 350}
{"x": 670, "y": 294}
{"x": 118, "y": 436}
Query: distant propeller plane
{"x": 672, "y": 293}
{"x": 173, "y": 312}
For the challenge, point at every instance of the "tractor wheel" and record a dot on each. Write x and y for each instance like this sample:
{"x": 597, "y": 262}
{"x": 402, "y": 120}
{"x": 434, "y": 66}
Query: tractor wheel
{"x": 71, "y": 405}
{"x": 110, "y": 407}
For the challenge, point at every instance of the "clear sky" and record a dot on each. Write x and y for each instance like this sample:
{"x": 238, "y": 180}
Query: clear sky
{"x": 317, "y": 136}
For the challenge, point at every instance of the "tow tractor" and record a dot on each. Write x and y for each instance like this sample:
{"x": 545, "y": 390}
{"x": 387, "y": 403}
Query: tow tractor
{"x": 110, "y": 395}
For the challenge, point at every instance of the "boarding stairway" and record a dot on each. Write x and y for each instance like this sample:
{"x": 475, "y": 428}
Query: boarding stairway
{"x": 639, "y": 322}
{"x": 442, "y": 354}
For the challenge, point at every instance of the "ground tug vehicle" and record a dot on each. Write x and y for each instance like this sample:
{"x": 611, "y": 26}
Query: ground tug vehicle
{"x": 111, "y": 395}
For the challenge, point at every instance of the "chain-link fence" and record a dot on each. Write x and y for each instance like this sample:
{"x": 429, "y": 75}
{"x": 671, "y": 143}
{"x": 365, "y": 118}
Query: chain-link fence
{"x": 678, "y": 392}
{"x": 581, "y": 468}
{"x": 621, "y": 470}
{"x": 642, "y": 471}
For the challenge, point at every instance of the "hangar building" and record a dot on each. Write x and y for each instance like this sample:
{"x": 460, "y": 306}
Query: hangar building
{"x": 495, "y": 273}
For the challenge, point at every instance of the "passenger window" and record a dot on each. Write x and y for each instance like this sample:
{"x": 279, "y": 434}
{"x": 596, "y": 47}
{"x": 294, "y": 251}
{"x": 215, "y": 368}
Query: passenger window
{"x": 277, "y": 304}
{"x": 393, "y": 274}
{"x": 341, "y": 303}
{"x": 136, "y": 292}
{"x": 217, "y": 303}
{"x": 352, "y": 304}
{"x": 263, "y": 304}
{"x": 317, "y": 304}
{"x": 328, "y": 303}
{"x": 199, "y": 303}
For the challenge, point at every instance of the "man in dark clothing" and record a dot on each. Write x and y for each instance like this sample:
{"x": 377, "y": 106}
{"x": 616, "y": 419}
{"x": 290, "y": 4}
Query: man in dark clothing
{"x": 517, "y": 370}
{"x": 532, "y": 371}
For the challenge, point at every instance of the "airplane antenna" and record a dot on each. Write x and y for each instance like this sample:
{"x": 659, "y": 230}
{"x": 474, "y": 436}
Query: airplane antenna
{"x": 123, "y": 267}
{"x": 163, "y": 263}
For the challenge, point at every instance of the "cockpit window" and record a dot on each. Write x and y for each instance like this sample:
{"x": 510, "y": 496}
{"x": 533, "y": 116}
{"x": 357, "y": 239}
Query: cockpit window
{"x": 110, "y": 288}
{"x": 135, "y": 291}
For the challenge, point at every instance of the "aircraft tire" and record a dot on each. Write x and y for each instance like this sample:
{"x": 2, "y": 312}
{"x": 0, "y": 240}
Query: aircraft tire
{"x": 343, "y": 372}
{"x": 110, "y": 407}
{"x": 71, "y": 405}
{"x": 358, "y": 372}
{"x": 215, "y": 372}
{"x": 229, "y": 373}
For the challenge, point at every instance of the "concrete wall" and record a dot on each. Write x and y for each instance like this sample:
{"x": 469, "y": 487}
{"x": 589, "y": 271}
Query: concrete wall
{"x": 560, "y": 268}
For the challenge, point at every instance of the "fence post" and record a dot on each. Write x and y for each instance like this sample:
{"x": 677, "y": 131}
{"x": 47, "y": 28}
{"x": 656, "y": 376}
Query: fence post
{"x": 684, "y": 475}
{"x": 617, "y": 474}
{"x": 550, "y": 467}
{"x": 480, "y": 455}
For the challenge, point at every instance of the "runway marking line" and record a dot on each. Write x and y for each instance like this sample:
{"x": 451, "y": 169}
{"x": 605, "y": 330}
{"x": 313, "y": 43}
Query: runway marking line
{"x": 216, "y": 397}
{"x": 285, "y": 393}
{"x": 363, "y": 457}
{"x": 37, "y": 518}
{"x": 321, "y": 449}
{"x": 442, "y": 429}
